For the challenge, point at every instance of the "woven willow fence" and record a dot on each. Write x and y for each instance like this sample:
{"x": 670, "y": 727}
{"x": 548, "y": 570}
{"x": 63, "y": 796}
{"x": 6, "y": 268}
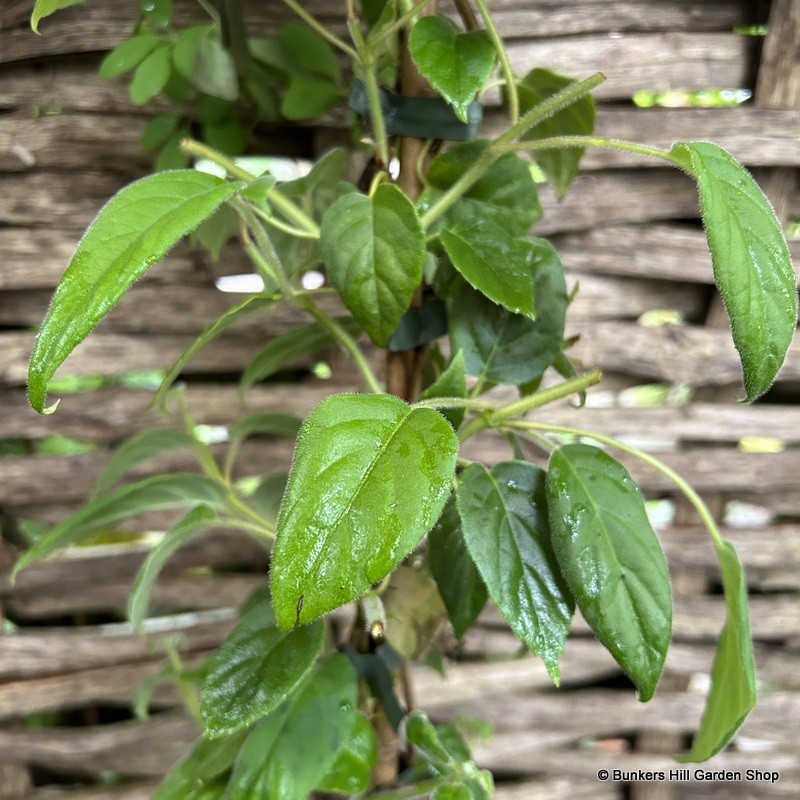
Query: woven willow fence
{"x": 628, "y": 233}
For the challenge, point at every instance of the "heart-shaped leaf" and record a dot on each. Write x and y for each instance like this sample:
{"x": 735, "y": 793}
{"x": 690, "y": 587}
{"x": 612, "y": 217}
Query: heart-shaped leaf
{"x": 369, "y": 478}
{"x": 131, "y": 233}
{"x": 504, "y": 519}
{"x": 559, "y": 166}
{"x": 611, "y": 559}
{"x": 455, "y": 63}
{"x": 733, "y": 684}
{"x": 374, "y": 249}
{"x": 752, "y": 265}
{"x": 494, "y": 263}
{"x": 506, "y": 194}
{"x": 255, "y": 669}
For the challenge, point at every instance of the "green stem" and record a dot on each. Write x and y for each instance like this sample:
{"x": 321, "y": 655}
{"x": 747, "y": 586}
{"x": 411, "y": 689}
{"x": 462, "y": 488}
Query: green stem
{"x": 502, "y": 57}
{"x": 274, "y": 222}
{"x": 344, "y": 340}
{"x": 312, "y": 22}
{"x": 546, "y": 109}
{"x": 275, "y": 197}
{"x": 406, "y": 17}
{"x": 690, "y": 494}
{"x": 366, "y": 56}
{"x": 500, "y": 416}
{"x": 266, "y": 530}
{"x": 455, "y": 402}
{"x": 559, "y": 142}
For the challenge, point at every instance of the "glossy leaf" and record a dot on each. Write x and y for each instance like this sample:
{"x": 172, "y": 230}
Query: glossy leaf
{"x": 131, "y": 233}
{"x": 504, "y": 520}
{"x": 127, "y": 54}
{"x": 611, "y": 559}
{"x": 217, "y": 327}
{"x": 451, "y": 383}
{"x": 494, "y": 263}
{"x": 255, "y": 669}
{"x": 139, "y": 448}
{"x": 370, "y": 477}
{"x": 151, "y": 76}
{"x": 158, "y": 12}
{"x": 506, "y": 194}
{"x": 44, "y": 8}
{"x": 203, "y": 770}
{"x": 352, "y": 770}
{"x": 733, "y": 685}
{"x": 752, "y": 265}
{"x": 289, "y": 347}
{"x": 460, "y": 584}
{"x": 455, "y": 63}
{"x": 502, "y": 347}
{"x": 290, "y": 752}
{"x": 143, "y": 584}
{"x": 374, "y": 249}
{"x": 559, "y": 166}
{"x": 178, "y": 490}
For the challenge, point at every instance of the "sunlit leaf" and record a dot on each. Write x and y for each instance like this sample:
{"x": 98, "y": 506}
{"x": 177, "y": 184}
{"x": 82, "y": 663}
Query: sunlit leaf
{"x": 44, "y": 8}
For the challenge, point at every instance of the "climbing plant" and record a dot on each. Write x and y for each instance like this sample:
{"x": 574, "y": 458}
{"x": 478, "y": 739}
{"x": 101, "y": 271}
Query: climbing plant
{"x": 381, "y": 508}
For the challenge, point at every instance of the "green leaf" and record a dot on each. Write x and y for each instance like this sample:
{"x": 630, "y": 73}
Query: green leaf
{"x": 201, "y": 771}
{"x": 506, "y": 194}
{"x": 266, "y": 423}
{"x": 255, "y": 669}
{"x": 559, "y": 166}
{"x": 216, "y": 231}
{"x": 142, "y": 588}
{"x": 266, "y": 499}
{"x": 158, "y": 12}
{"x": 151, "y": 76}
{"x": 451, "y": 383}
{"x": 291, "y": 346}
{"x": 351, "y": 772}
{"x": 221, "y": 324}
{"x": 151, "y": 494}
{"x": 290, "y": 752}
{"x": 455, "y": 63}
{"x": 127, "y": 54}
{"x": 44, "y": 8}
{"x": 419, "y": 325}
{"x": 452, "y": 791}
{"x": 423, "y": 735}
{"x": 504, "y": 520}
{"x": 131, "y": 233}
{"x": 306, "y": 98}
{"x": 159, "y": 130}
{"x": 307, "y": 51}
{"x": 138, "y": 448}
{"x": 502, "y": 347}
{"x": 370, "y": 477}
{"x": 214, "y": 71}
{"x": 494, "y": 263}
{"x": 374, "y": 249}
{"x": 752, "y": 265}
{"x": 187, "y": 45}
{"x": 460, "y": 584}
{"x": 733, "y": 685}
{"x": 611, "y": 559}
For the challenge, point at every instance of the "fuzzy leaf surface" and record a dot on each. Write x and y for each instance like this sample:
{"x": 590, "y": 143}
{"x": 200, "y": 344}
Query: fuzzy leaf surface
{"x": 504, "y": 519}
{"x": 752, "y": 265}
{"x": 132, "y": 232}
{"x": 370, "y": 477}
{"x": 611, "y": 559}
{"x": 255, "y": 669}
{"x": 374, "y": 249}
